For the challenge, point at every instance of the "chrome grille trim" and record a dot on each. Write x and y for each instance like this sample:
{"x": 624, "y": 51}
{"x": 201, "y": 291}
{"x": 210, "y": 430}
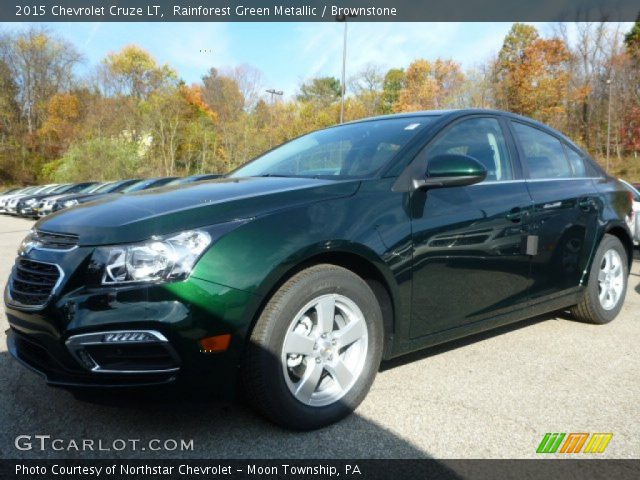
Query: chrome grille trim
{"x": 33, "y": 283}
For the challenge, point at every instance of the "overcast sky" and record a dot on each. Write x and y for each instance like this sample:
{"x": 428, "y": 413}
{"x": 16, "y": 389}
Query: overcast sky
{"x": 287, "y": 53}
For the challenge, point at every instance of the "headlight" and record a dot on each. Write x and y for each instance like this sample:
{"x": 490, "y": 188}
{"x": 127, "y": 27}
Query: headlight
{"x": 69, "y": 203}
{"x": 31, "y": 201}
{"x": 159, "y": 259}
{"x": 29, "y": 242}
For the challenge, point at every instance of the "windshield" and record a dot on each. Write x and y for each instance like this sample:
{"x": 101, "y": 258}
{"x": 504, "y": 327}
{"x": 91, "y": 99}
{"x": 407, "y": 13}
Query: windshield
{"x": 60, "y": 188}
{"x": 141, "y": 185}
{"x": 352, "y": 150}
{"x": 90, "y": 188}
{"x": 105, "y": 187}
{"x": 180, "y": 181}
{"x": 47, "y": 189}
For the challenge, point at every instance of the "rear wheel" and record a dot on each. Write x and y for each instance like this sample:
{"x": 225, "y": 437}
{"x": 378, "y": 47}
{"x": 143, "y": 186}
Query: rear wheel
{"x": 315, "y": 349}
{"x": 607, "y": 286}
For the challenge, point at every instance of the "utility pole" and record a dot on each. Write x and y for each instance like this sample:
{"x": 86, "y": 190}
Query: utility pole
{"x": 609, "y": 82}
{"x": 273, "y": 93}
{"x": 343, "y": 86}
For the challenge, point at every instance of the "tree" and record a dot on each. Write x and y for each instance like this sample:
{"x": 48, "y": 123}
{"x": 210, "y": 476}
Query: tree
{"x": 11, "y": 165}
{"x": 133, "y": 71}
{"x": 367, "y": 86}
{"x": 632, "y": 41}
{"x": 249, "y": 82}
{"x": 42, "y": 65}
{"x": 98, "y": 159}
{"x": 394, "y": 82}
{"x": 223, "y": 95}
{"x": 322, "y": 90}
{"x": 430, "y": 85}
{"x": 531, "y": 75}
{"x": 519, "y": 38}
{"x": 61, "y": 123}
{"x": 177, "y": 120}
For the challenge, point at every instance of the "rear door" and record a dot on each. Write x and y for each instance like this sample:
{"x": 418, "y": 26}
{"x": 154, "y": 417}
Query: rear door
{"x": 468, "y": 260}
{"x": 565, "y": 214}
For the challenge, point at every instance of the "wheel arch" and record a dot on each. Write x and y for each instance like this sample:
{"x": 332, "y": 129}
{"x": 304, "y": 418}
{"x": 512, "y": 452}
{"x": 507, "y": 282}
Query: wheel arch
{"x": 363, "y": 263}
{"x": 622, "y": 233}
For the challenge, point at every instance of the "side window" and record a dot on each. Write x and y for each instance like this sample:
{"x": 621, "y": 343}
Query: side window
{"x": 480, "y": 138}
{"x": 543, "y": 153}
{"x": 577, "y": 163}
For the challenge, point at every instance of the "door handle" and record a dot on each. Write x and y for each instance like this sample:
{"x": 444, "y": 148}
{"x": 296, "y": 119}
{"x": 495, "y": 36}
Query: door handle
{"x": 586, "y": 203}
{"x": 516, "y": 214}
{"x": 552, "y": 205}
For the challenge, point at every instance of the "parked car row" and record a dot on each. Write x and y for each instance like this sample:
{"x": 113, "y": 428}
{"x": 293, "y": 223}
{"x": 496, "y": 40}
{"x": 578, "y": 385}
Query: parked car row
{"x": 42, "y": 200}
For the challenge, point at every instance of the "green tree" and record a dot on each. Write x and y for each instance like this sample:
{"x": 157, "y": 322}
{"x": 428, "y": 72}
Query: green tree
{"x": 515, "y": 43}
{"x": 632, "y": 41}
{"x": 98, "y": 159}
{"x": 394, "y": 82}
{"x": 322, "y": 90}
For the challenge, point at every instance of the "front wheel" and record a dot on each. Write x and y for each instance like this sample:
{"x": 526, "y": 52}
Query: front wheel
{"x": 607, "y": 285}
{"x": 315, "y": 349}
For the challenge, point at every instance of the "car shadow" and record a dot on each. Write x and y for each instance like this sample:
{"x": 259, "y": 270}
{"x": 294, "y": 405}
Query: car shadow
{"x": 463, "y": 342}
{"x": 218, "y": 430}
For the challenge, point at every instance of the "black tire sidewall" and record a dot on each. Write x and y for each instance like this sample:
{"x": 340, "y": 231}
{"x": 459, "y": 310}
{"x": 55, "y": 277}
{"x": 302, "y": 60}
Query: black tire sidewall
{"x": 608, "y": 242}
{"x": 293, "y": 413}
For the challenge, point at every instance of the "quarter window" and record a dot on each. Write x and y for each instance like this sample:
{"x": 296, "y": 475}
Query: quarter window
{"x": 480, "y": 138}
{"x": 543, "y": 154}
{"x": 577, "y": 162}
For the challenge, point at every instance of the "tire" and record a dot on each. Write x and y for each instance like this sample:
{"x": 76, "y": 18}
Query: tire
{"x": 273, "y": 378}
{"x": 594, "y": 308}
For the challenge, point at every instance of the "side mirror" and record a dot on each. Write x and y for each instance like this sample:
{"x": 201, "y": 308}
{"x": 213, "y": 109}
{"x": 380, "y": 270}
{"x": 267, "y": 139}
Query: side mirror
{"x": 451, "y": 170}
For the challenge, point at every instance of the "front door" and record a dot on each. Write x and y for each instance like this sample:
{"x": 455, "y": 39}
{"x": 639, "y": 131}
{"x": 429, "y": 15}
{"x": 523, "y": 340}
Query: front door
{"x": 469, "y": 258}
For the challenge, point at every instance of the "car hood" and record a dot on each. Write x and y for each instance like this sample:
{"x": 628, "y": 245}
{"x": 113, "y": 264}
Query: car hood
{"x": 121, "y": 218}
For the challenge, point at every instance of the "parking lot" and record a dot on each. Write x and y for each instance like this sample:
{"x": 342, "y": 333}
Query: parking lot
{"x": 490, "y": 396}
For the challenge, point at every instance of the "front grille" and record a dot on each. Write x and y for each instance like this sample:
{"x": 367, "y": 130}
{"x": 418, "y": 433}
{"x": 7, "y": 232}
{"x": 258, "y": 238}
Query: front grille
{"x": 56, "y": 241}
{"x": 32, "y": 282}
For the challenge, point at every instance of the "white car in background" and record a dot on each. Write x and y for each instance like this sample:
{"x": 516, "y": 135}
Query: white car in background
{"x": 16, "y": 193}
{"x": 633, "y": 220}
{"x": 11, "y": 204}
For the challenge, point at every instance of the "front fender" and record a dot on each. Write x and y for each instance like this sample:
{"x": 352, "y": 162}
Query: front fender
{"x": 260, "y": 255}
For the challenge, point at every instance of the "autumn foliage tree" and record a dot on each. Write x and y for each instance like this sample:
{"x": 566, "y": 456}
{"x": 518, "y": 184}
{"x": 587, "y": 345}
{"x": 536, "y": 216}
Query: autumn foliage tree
{"x": 532, "y": 75}
{"x": 132, "y": 116}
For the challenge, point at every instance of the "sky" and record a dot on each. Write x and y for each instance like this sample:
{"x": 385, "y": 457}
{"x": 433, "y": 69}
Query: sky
{"x": 286, "y": 53}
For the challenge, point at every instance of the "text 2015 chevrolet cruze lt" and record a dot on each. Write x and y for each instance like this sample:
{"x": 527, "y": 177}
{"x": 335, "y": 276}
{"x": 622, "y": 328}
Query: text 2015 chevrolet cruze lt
{"x": 297, "y": 273}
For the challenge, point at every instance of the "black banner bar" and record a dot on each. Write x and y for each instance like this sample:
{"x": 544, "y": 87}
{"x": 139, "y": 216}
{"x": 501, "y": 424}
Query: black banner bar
{"x": 317, "y": 10}
{"x": 312, "y": 469}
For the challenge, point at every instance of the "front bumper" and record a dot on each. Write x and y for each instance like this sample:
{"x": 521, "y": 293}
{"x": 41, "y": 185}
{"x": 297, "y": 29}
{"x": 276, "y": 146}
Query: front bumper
{"x": 27, "y": 212}
{"x": 45, "y": 339}
{"x": 44, "y": 211}
{"x": 53, "y": 365}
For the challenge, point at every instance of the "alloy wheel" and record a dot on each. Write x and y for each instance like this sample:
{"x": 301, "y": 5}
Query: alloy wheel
{"x": 324, "y": 350}
{"x": 610, "y": 279}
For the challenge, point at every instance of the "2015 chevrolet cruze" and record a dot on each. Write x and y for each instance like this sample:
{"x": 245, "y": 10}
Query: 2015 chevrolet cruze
{"x": 297, "y": 273}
